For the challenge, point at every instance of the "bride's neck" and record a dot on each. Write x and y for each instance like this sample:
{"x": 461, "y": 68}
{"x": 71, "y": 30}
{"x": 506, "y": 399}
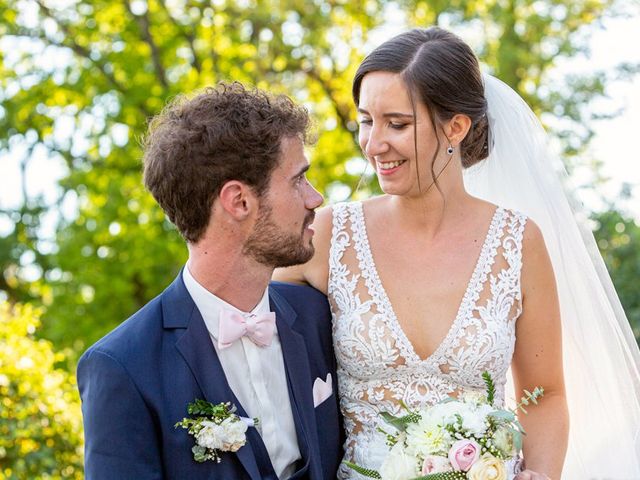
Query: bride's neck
{"x": 432, "y": 213}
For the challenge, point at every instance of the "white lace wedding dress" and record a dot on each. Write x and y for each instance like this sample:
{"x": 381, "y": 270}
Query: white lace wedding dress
{"x": 377, "y": 365}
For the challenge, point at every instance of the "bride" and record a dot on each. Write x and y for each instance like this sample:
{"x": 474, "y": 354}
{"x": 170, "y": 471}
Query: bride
{"x": 470, "y": 261}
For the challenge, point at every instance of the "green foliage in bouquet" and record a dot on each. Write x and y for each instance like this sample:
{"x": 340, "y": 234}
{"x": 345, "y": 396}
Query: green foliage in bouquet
{"x": 491, "y": 388}
{"x": 367, "y": 472}
{"x": 370, "y": 473}
{"x": 444, "y": 476}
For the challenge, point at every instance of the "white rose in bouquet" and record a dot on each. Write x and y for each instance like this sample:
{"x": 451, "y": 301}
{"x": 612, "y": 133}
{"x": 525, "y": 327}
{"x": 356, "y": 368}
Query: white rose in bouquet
{"x": 474, "y": 419}
{"x": 399, "y": 465}
{"x": 488, "y": 467}
{"x": 445, "y": 413}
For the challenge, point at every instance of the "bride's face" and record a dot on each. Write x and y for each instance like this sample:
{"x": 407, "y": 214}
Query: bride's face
{"x": 387, "y": 137}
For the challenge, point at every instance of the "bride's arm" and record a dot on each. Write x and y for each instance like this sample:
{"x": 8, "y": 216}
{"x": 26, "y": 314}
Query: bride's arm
{"x": 537, "y": 361}
{"x": 316, "y": 271}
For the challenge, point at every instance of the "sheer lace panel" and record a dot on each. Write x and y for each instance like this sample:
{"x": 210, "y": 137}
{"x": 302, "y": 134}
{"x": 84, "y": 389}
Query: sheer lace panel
{"x": 377, "y": 365}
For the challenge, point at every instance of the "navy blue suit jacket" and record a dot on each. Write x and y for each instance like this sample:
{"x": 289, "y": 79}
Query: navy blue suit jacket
{"x": 136, "y": 382}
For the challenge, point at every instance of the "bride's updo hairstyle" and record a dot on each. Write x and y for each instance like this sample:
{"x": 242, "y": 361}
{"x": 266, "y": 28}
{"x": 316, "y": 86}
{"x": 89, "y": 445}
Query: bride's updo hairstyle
{"x": 441, "y": 71}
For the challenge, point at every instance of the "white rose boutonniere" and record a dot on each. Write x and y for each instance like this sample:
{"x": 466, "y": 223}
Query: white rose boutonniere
{"x": 216, "y": 429}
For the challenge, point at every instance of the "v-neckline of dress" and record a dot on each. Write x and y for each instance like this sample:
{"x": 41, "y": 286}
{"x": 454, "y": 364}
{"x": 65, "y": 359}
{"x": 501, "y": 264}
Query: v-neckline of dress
{"x": 381, "y": 299}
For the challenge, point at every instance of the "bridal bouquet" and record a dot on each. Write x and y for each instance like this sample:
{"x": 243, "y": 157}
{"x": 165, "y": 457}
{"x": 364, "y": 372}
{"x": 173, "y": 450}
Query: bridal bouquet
{"x": 467, "y": 439}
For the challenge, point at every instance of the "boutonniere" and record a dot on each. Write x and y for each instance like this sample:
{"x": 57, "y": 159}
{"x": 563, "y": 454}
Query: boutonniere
{"x": 216, "y": 429}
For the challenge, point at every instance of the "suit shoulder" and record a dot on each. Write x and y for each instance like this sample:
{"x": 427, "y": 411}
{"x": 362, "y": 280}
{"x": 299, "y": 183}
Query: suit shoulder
{"x": 296, "y": 293}
{"x": 137, "y": 331}
{"x": 310, "y": 305}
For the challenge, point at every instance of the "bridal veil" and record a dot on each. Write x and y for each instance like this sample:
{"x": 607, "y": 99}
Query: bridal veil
{"x": 601, "y": 357}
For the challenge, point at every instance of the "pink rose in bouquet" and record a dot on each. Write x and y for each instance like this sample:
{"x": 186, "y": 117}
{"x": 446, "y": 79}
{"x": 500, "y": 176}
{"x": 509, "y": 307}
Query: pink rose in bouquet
{"x": 463, "y": 454}
{"x": 435, "y": 464}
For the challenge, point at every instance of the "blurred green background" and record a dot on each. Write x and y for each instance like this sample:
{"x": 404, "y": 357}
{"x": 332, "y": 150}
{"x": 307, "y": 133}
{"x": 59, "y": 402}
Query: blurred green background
{"x": 79, "y": 81}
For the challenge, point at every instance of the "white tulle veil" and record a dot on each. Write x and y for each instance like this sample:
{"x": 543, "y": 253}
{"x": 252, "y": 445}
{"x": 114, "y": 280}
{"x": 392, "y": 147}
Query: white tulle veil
{"x": 601, "y": 358}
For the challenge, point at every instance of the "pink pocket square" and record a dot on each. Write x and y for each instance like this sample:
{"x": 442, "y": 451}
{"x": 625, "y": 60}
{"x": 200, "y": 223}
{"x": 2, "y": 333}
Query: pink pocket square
{"x": 321, "y": 390}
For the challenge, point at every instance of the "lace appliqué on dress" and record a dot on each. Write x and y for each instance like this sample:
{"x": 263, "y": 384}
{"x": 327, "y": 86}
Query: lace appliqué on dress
{"x": 377, "y": 365}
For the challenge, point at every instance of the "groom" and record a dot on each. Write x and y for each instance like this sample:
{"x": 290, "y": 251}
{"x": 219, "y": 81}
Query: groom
{"x": 228, "y": 168}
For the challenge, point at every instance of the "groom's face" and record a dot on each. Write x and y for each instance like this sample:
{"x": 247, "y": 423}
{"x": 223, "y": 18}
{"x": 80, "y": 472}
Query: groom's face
{"x": 282, "y": 235}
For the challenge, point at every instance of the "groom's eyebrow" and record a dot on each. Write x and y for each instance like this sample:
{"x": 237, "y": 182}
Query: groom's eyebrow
{"x": 302, "y": 171}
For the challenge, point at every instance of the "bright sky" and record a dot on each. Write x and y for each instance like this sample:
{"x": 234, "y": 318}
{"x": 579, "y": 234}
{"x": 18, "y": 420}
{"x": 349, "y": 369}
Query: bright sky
{"x": 615, "y": 142}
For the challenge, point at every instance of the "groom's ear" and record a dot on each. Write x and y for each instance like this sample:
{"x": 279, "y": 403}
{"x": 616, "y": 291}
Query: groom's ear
{"x": 237, "y": 199}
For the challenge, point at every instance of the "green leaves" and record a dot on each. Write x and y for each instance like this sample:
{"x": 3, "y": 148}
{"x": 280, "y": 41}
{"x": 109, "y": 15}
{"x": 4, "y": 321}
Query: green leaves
{"x": 40, "y": 419}
{"x": 618, "y": 237}
{"x": 505, "y": 415}
{"x": 367, "y": 472}
{"x": 400, "y": 423}
{"x": 530, "y": 397}
{"x": 444, "y": 476}
{"x": 117, "y": 64}
{"x": 204, "y": 408}
{"x": 199, "y": 453}
{"x": 491, "y": 388}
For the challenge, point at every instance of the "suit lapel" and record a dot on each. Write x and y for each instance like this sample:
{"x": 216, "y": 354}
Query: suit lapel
{"x": 296, "y": 362}
{"x": 179, "y": 311}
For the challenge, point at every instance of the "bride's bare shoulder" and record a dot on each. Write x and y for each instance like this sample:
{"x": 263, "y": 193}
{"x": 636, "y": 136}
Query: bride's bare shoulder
{"x": 377, "y": 201}
{"x": 373, "y": 206}
{"x": 532, "y": 240}
{"x": 322, "y": 226}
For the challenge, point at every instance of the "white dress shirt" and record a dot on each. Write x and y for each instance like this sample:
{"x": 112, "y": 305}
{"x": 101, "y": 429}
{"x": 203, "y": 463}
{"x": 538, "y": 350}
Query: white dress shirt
{"x": 256, "y": 376}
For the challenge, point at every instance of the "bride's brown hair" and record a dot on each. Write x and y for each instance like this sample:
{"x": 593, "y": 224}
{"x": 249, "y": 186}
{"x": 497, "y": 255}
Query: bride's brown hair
{"x": 441, "y": 71}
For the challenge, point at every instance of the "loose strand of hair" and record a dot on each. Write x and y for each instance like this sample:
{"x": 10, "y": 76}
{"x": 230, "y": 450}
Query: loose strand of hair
{"x": 415, "y": 137}
{"x": 361, "y": 179}
{"x": 434, "y": 122}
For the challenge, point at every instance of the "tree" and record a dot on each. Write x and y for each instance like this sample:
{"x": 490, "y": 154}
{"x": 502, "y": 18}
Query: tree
{"x": 618, "y": 238}
{"x": 122, "y": 61}
{"x": 40, "y": 423}
{"x": 116, "y": 64}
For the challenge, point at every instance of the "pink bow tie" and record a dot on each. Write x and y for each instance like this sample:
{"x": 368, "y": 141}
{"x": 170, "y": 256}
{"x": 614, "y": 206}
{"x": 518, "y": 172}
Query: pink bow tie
{"x": 234, "y": 325}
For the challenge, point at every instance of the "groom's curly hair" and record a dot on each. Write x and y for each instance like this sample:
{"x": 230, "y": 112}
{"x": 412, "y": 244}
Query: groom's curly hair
{"x": 196, "y": 145}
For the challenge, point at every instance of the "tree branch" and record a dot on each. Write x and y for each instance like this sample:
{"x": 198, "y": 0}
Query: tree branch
{"x": 82, "y": 52}
{"x": 189, "y": 36}
{"x": 341, "y": 110}
{"x": 143, "y": 24}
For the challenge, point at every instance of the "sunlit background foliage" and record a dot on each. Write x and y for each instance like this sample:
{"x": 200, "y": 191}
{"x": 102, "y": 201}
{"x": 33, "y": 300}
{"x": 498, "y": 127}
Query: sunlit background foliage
{"x": 40, "y": 421}
{"x": 79, "y": 81}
